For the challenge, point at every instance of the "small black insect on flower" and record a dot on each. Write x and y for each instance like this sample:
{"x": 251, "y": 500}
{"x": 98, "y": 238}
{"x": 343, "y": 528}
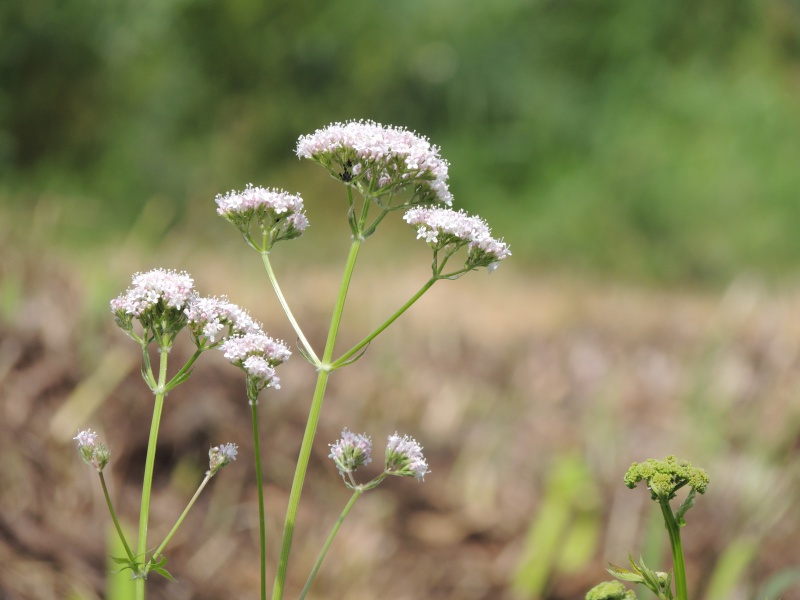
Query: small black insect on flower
{"x": 347, "y": 174}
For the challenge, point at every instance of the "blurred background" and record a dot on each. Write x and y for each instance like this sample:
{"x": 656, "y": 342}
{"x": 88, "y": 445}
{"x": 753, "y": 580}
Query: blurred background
{"x": 641, "y": 160}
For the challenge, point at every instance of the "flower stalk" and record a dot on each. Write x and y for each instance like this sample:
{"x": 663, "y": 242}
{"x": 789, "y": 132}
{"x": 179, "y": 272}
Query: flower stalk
{"x": 311, "y": 425}
{"x": 147, "y": 484}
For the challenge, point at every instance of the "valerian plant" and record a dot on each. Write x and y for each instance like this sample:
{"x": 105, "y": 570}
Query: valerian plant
{"x": 383, "y": 170}
{"x": 663, "y": 479}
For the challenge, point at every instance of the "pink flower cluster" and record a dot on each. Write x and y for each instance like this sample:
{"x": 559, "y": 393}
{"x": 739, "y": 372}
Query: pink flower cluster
{"x": 351, "y": 451}
{"x": 258, "y": 355}
{"x": 442, "y": 226}
{"x": 266, "y": 200}
{"x": 209, "y": 317}
{"x": 160, "y": 286}
{"x": 393, "y": 156}
{"x": 404, "y": 457}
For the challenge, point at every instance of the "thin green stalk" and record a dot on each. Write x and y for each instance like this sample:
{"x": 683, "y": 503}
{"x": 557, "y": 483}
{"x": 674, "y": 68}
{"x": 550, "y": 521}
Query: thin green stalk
{"x": 262, "y": 535}
{"x": 311, "y": 424}
{"x": 144, "y": 514}
{"x": 678, "y": 566}
{"x": 350, "y": 353}
{"x": 114, "y": 518}
{"x": 328, "y": 542}
{"x": 185, "y": 512}
{"x": 274, "y": 281}
{"x": 184, "y": 369}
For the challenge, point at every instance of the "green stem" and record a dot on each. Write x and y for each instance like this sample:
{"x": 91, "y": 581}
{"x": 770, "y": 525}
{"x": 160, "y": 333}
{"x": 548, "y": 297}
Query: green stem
{"x": 678, "y": 566}
{"x": 183, "y": 370}
{"x": 311, "y": 424}
{"x": 350, "y": 353}
{"x": 128, "y": 550}
{"x": 328, "y": 542}
{"x": 144, "y": 514}
{"x": 274, "y": 281}
{"x": 262, "y": 535}
{"x": 185, "y": 512}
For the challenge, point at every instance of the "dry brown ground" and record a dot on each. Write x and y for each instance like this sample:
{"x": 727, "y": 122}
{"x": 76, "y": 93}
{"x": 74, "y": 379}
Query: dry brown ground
{"x": 499, "y": 377}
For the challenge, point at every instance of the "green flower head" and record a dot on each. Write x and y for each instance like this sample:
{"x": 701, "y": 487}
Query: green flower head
{"x": 665, "y": 477}
{"x": 610, "y": 590}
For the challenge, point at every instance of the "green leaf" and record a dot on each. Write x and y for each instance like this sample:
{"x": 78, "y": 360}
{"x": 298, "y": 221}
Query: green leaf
{"x": 158, "y": 567}
{"x": 133, "y": 566}
{"x": 624, "y": 574}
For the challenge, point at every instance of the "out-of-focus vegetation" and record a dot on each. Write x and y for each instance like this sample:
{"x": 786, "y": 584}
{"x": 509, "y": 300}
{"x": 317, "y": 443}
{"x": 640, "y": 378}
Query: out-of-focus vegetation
{"x": 643, "y": 139}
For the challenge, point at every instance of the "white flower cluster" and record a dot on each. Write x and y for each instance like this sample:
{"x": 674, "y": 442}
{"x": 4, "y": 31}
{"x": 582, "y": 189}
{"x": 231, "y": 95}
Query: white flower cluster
{"x": 404, "y": 457}
{"x": 264, "y": 216}
{"x": 391, "y": 156}
{"x": 169, "y": 288}
{"x": 270, "y": 204}
{"x": 351, "y": 451}
{"x": 442, "y": 226}
{"x": 209, "y": 317}
{"x": 258, "y": 355}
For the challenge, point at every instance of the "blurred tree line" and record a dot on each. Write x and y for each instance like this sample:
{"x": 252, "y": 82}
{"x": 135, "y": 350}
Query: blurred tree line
{"x": 639, "y": 138}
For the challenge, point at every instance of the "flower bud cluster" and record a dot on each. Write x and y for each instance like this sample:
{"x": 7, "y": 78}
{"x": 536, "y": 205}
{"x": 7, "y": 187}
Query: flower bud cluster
{"x": 257, "y": 355}
{"x": 404, "y": 457}
{"x": 157, "y": 299}
{"x": 379, "y": 159}
{"x": 92, "y": 453}
{"x": 220, "y": 456}
{"x": 665, "y": 477}
{"x": 610, "y": 590}
{"x": 274, "y": 214}
{"x": 351, "y": 451}
{"x": 444, "y": 228}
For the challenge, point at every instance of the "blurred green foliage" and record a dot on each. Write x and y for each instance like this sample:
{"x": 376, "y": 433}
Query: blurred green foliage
{"x": 643, "y": 139}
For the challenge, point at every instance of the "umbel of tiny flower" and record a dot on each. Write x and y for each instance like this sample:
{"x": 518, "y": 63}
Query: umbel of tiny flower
{"x": 665, "y": 477}
{"x": 210, "y": 320}
{"x": 257, "y": 355}
{"x": 379, "y": 160}
{"x": 220, "y": 456}
{"x": 446, "y": 231}
{"x": 404, "y": 458}
{"x": 610, "y": 590}
{"x": 92, "y": 453}
{"x": 264, "y": 216}
{"x": 156, "y": 299}
{"x": 351, "y": 451}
